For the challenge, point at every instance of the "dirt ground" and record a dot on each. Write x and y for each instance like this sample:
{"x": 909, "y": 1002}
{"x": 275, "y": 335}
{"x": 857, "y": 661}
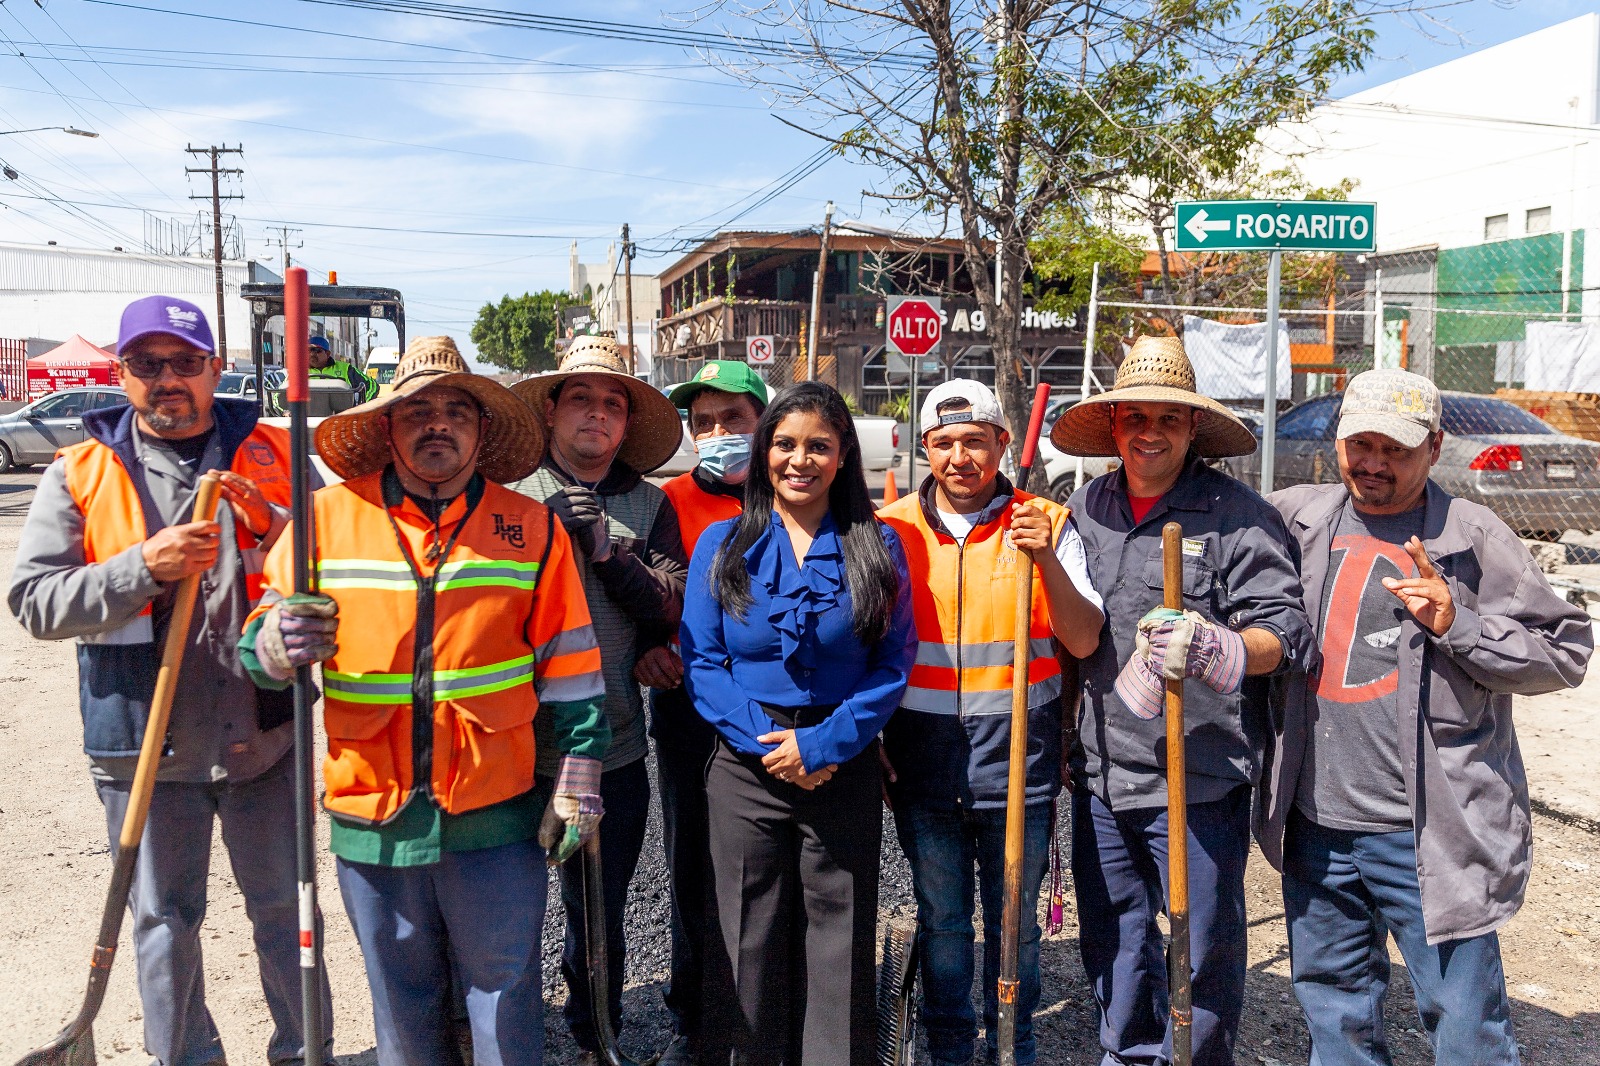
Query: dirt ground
{"x": 53, "y": 872}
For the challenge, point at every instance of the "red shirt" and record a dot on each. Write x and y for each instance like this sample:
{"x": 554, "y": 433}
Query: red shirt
{"x": 1140, "y": 505}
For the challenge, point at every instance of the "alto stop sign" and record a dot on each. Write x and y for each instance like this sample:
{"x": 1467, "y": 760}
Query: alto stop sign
{"x": 914, "y": 325}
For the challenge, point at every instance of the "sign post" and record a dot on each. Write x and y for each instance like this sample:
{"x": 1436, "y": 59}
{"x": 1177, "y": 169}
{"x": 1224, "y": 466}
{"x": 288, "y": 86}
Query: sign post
{"x": 913, "y": 327}
{"x": 1275, "y": 227}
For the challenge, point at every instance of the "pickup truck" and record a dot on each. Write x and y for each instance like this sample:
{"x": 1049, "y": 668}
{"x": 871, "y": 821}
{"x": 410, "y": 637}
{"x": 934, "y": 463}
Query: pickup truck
{"x": 880, "y": 447}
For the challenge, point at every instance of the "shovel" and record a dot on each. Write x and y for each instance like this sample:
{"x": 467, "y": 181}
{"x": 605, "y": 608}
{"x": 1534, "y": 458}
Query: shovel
{"x": 74, "y": 1045}
{"x": 594, "y": 935}
{"x": 1017, "y": 781}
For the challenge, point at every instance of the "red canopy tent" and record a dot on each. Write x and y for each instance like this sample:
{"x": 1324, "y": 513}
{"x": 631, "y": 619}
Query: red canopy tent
{"x": 75, "y": 363}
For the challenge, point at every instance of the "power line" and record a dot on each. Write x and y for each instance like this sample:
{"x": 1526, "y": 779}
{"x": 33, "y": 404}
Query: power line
{"x": 577, "y": 27}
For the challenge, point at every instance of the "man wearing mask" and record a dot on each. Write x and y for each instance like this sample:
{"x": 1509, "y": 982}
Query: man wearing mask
{"x": 107, "y": 540}
{"x": 724, "y": 400}
{"x": 324, "y": 365}
{"x": 606, "y": 430}
{"x": 1398, "y": 801}
{"x": 1242, "y": 621}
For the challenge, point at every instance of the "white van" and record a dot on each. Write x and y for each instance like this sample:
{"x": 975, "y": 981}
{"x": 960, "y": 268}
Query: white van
{"x": 381, "y": 364}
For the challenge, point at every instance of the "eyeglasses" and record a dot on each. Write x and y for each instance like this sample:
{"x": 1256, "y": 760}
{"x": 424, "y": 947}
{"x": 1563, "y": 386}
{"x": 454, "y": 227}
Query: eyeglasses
{"x": 148, "y": 367}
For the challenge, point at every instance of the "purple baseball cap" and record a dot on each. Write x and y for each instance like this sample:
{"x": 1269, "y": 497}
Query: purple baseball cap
{"x": 165, "y": 314}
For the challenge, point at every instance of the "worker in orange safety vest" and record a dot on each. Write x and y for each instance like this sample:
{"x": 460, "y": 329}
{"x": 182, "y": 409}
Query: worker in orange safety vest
{"x": 450, "y": 614}
{"x": 947, "y": 750}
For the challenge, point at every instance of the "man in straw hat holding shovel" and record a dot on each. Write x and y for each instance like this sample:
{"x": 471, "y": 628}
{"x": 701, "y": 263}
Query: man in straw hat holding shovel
{"x": 607, "y": 429}
{"x": 108, "y": 539}
{"x": 1242, "y": 618}
{"x": 450, "y": 618}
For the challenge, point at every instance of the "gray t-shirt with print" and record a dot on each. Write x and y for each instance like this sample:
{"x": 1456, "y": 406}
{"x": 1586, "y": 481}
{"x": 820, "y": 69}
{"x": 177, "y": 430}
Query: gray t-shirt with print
{"x": 1352, "y": 777}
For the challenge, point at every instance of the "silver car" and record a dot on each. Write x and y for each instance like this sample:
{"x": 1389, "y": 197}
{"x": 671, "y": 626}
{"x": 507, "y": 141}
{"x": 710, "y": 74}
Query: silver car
{"x": 1539, "y": 480}
{"x": 36, "y": 432}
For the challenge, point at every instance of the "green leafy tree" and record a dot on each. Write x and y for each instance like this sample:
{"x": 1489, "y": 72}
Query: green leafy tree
{"x": 994, "y": 115}
{"x": 519, "y": 333}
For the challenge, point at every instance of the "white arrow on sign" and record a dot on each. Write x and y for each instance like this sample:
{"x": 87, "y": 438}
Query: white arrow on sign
{"x": 1199, "y": 225}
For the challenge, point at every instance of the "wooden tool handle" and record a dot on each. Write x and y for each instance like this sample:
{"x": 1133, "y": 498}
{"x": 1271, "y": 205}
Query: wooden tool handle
{"x": 155, "y": 728}
{"x": 1178, "y": 987}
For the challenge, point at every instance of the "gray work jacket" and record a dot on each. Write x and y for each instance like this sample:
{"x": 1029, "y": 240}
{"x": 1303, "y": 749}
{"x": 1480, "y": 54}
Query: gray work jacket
{"x": 1238, "y": 571}
{"x": 1512, "y": 635}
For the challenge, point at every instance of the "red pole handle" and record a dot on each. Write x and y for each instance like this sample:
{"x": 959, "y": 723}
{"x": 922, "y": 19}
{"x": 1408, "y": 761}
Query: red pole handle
{"x": 297, "y": 334}
{"x": 1030, "y": 443}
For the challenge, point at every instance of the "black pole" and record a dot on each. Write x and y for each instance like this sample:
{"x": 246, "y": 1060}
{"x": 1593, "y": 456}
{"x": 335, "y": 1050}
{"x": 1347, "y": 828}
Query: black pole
{"x": 296, "y": 325}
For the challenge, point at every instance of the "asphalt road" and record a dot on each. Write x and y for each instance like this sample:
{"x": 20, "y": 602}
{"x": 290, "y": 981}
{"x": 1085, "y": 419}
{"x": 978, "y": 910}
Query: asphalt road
{"x": 53, "y": 872}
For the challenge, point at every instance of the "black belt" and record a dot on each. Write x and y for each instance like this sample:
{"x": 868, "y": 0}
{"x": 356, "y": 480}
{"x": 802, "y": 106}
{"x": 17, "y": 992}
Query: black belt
{"x": 799, "y": 717}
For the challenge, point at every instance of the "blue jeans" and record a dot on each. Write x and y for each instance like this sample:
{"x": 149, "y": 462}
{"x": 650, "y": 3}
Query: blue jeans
{"x": 943, "y": 845}
{"x": 483, "y": 912}
{"x": 1119, "y": 872}
{"x": 1343, "y": 894}
{"x": 168, "y": 902}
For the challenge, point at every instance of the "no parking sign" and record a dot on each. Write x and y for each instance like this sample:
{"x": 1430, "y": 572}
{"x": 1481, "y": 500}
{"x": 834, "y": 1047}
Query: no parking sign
{"x": 761, "y": 351}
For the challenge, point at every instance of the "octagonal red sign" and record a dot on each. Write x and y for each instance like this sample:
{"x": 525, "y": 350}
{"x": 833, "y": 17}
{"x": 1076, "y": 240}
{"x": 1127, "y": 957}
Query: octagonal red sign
{"x": 914, "y": 327}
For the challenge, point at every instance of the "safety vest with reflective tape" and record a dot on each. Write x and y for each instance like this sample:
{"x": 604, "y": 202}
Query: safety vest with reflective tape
{"x": 510, "y": 629}
{"x": 113, "y": 519}
{"x": 964, "y": 598}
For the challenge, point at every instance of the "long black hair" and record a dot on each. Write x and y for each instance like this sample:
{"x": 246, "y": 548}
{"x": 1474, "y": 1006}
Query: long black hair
{"x": 869, "y": 572}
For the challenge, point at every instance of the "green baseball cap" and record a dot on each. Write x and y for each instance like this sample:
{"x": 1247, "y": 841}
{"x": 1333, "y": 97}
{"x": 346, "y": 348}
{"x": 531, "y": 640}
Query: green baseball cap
{"x": 724, "y": 375}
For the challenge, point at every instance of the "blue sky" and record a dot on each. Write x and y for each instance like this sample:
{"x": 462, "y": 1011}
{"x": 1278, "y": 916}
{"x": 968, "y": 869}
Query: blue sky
{"x": 454, "y": 162}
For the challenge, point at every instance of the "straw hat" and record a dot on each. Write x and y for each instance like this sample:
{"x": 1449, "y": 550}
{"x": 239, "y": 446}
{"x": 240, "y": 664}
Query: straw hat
{"x": 654, "y": 431}
{"x": 1157, "y": 370}
{"x": 356, "y": 442}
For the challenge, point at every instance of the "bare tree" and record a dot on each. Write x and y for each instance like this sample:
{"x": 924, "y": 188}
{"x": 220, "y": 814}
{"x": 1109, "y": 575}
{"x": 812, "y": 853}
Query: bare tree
{"x": 992, "y": 114}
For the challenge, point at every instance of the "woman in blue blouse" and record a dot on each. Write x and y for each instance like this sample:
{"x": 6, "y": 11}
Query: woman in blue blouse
{"x": 797, "y": 643}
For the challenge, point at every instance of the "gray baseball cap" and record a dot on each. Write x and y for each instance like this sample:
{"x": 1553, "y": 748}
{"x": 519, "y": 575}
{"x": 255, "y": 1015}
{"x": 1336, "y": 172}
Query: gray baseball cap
{"x": 1403, "y": 406}
{"x": 974, "y": 402}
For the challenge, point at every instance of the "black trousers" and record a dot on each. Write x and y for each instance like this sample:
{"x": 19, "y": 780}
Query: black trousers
{"x": 797, "y": 898}
{"x": 682, "y": 753}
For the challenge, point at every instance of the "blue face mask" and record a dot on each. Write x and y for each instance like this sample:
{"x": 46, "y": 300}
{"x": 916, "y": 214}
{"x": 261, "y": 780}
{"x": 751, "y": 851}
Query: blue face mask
{"x": 726, "y": 458}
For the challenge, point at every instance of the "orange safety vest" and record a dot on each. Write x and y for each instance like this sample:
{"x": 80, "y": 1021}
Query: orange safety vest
{"x": 697, "y": 508}
{"x": 113, "y": 520}
{"x": 964, "y": 599}
{"x": 510, "y": 628}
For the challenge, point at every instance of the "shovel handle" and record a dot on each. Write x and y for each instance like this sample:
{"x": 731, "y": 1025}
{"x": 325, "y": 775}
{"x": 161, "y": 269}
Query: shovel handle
{"x": 155, "y": 729}
{"x": 1178, "y": 985}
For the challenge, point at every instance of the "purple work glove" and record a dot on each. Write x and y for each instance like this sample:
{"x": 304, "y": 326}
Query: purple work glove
{"x": 1172, "y": 645}
{"x": 574, "y": 811}
{"x": 295, "y": 632}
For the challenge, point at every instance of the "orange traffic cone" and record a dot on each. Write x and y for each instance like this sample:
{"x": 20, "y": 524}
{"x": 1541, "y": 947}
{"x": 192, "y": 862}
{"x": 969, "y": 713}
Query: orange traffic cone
{"x": 890, "y": 492}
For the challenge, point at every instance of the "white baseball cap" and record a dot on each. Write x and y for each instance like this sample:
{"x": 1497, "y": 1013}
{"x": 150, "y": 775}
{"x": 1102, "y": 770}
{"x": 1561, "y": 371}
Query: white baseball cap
{"x": 964, "y": 401}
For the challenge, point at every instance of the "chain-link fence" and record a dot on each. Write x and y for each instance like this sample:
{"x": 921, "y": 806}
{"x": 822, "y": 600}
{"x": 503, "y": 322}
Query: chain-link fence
{"x": 1508, "y": 331}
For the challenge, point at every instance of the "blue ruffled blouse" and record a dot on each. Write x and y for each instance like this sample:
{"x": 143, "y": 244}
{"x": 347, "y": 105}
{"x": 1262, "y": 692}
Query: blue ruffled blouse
{"x": 795, "y": 647}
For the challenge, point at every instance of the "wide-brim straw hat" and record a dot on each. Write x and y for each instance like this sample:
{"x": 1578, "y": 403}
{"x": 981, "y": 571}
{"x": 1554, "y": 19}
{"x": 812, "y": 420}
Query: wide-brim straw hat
{"x": 355, "y": 443}
{"x": 654, "y": 428}
{"x": 1157, "y": 370}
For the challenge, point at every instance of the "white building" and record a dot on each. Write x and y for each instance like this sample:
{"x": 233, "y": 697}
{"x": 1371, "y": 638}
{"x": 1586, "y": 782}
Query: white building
{"x": 53, "y": 292}
{"x": 607, "y": 296}
{"x": 1498, "y": 145}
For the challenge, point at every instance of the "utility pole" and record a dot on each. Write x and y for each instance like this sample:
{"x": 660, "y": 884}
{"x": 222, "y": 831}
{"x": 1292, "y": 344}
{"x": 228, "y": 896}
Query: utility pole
{"x": 216, "y": 171}
{"x": 816, "y": 295}
{"x": 282, "y": 240}
{"x": 627, "y": 298}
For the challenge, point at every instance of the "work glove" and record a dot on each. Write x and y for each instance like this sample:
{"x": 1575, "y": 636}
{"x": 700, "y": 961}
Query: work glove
{"x": 1171, "y": 645}
{"x": 584, "y": 518}
{"x": 295, "y": 632}
{"x": 574, "y": 811}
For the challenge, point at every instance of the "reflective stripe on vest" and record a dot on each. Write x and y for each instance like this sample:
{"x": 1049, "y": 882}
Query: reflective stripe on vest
{"x": 447, "y": 684}
{"x": 389, "y": 576}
